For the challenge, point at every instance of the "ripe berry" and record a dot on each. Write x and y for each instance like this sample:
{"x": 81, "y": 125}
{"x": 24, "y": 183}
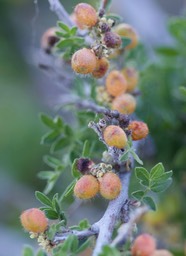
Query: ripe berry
{"x": 34, "y": 220}
{"x": 49, "y": 39}
{"x": 125, "y": 104}
{"x": 83, "y": 61}
{"x": 114, "y": 136}
{"x": 112, "y": 39}
{"x": 144, "y": 245}
{"x": 131, "y": 76}
{"x": 162, "y": 253}
{"x": 86, "y": 15}
{"x": 86, "y": 187}
{"x": 116, "y": 83}
{"x": 74, "y": 19}
{"x": 139, "y": 130}
{"x": 102, "y": 66}
{"x": 126, "y": 30}
{"x": 109, "y": 185}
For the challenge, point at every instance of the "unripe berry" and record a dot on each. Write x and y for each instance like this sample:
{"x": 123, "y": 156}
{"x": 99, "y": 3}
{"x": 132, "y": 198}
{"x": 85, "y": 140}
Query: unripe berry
{"x": 34, "y": 220}
{"x": 102, "y": 66}
{"x": 139, "y": 130}
{"x": 116, "y": 83}
{"x": 112, "y": 40}
{"x": 86, "y": 187}
{"x": 126, "y": 30}
{"x": 114, "y": 136}
{"x": 144, "y": 245}
{"x": 125, "y": 104}
{"x": 86, "y": 15}
{"x": 162, "y": 253}
{"x": 132, "y": 77}
{"x": 83, "y": 61}
{"x": 109, "y": 185}
{"x": 49, "y": 39}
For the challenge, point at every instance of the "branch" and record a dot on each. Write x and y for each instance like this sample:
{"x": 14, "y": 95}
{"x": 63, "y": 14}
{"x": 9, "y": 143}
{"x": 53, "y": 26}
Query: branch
{"x": 126, "y": 228}
{"x": 60, "y": 11}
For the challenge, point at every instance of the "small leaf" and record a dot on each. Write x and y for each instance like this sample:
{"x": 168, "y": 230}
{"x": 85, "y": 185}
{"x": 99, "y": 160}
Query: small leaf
{"x": 157, "y": 171}
{"x": 125, "y": 156}
{"x": 59, "y": 122}
{"x": 51, "y": 214}
{"x": 43, "y": 198}
{"x": 125, "y": 41}
{"x": 164, "y": 177}
{"x": 85, "y": 245}
{"x": 84, "y": 224}
{"x": 136, "y": 157}
{"x": 51, "y": 161}
{"x": 109, "y": 251}
{"x": 55, "y": 204}
{"x": 183, "y": 90}
{"x": 149, "y": 201}
{"x": 27, "y": 251}
{"x": 138, "y": 194}
{"x": 117, "y": 18}
{"x": 68, "y": 190}
{"x": 86, "y": 149}
{"x": 46, "y": 175}
{"x": 158, "y": 187}
{"x": 68, "y": 130}
{"x": 60, "y": 144}
{"x": 73, "y": 31}
{"x": 64, "y": 43}
{"x": 47, "y": 120}
{"x": 167, "y": 51}
{"x": 41, "y": 253}
{"x": 75, "y": 172}
{"x": 143, "y": 175}
{"x": 50, "y": 137}
{"x": 63, "y": 26}
{"x": 108, "y": 5}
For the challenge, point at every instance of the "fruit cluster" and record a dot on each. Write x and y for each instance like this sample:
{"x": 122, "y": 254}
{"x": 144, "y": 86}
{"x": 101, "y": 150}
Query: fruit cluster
{"x": 145, "y": 245}
{"x": 97, "y": 179}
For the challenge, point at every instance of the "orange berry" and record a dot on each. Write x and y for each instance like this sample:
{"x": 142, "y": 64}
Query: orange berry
{"x": 144, "y": 245}
{"x": 34, "y": 220}
{"x": 126, "y": 30}
{"x": 162, "y": 253}
{"x": 116, "y": 83}
{"x": 86, "y": 187}
{"x": 114, "y": 136}
{"x": 132, "y": 77}
{"x": 109, "y": 185}
{"x": 139, "y": 130}
{"x": 112, "y": 40}
{"x": 49, "y": 39}
{"x": 102, "y": 66}
{"x": 83, "y": 61}
{"x": 74, "y": 19}
{"x": 125, "y": 104}
{"x": 86, "y": 15}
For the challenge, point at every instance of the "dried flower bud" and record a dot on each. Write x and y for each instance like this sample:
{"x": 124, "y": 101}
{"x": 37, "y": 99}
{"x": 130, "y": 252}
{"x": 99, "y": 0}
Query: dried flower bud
{"x": 84, "y": 165}
{"x": 112, "y": 40}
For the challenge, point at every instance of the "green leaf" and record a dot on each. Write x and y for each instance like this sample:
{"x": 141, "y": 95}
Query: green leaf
{"x": 138, "y": 194}
{"x": 83, "y": 224}
{"x": 157, "y": 171}
{"x": 109, "y": 251}
{"x": 68, "y": 130}
{"x": 68, "y": 190}
{"x": 108, "y": 5}
{"x": 136, "y": 157}
{"x": 125, "y": 41}
{"x": 41, "y": 253}
{"x": 125, "y": 156}
{"x": 163, "y": 177}
{"x": 117, "y": 18}
{"x": 183, "y": 90}
{"x": 86, "y": 149}
{"x": 158, "y": 187}
{"x": 143, "y": 175}
{"x": 59, "y": 122}
{"x": 85, "y": 245}
{"x": 50, "y": 137}
{"x": 63, "y": 26}
{"x": 27, "y": 251}
{"x": 75, "y": 172}
{"x": 52, "y": 161}
{"x": 64, "y": 43}
{"x": 43, "y": 198}
{"x": 51, "y": 214}
{"x": 73, "y": 31}
{"x": 177, "y": 27}
{"x": 47, "y": 120}
{"x": 62, "y": 34}
{"x": 46, "y": 175}
{"x": 149, "y": 201}
{"x": 60, "y": 144}
{"x": 167, "y": 51}
{"x": 55, "y": 203}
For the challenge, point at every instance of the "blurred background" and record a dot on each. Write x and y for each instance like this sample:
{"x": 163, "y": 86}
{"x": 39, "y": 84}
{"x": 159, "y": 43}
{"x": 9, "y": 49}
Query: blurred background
{"x": 25, "y": 91}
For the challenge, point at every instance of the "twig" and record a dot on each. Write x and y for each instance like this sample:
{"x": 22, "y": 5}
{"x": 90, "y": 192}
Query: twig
{"x": 126, "y": 228}
{"x": 60, "y": 11}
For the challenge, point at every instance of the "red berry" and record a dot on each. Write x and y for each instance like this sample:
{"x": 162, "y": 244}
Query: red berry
{"x": 144, "y": 245}
{"x": 139, "y": 130}
{"x": 102, "y": 66}
{"x": 86, "y": 187}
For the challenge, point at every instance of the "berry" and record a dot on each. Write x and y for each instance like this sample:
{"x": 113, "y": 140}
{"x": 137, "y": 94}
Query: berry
{"x": 112, "y": 39}
{"x": 114, "y": 136}
{"x": 139, "y": 130}
{"x": 102, "y": 66}
{"x": 83, "y": 61}
{"x": 86, "y": 15}
{"x": 116, "y": 83}
{"x": 49, "y": 39}
{"x": 86, "y": 187}
{"x": 144, "y": 245}
{"x": 34, "y": 220}
{"x": 74, "y": 19}
{"x": 126, "y": 30}
{"x": 109, "y": 185}
{"x": 125, "y": 104}
{"x": 162, "y": 253}
{"x": 131, "y": 76}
